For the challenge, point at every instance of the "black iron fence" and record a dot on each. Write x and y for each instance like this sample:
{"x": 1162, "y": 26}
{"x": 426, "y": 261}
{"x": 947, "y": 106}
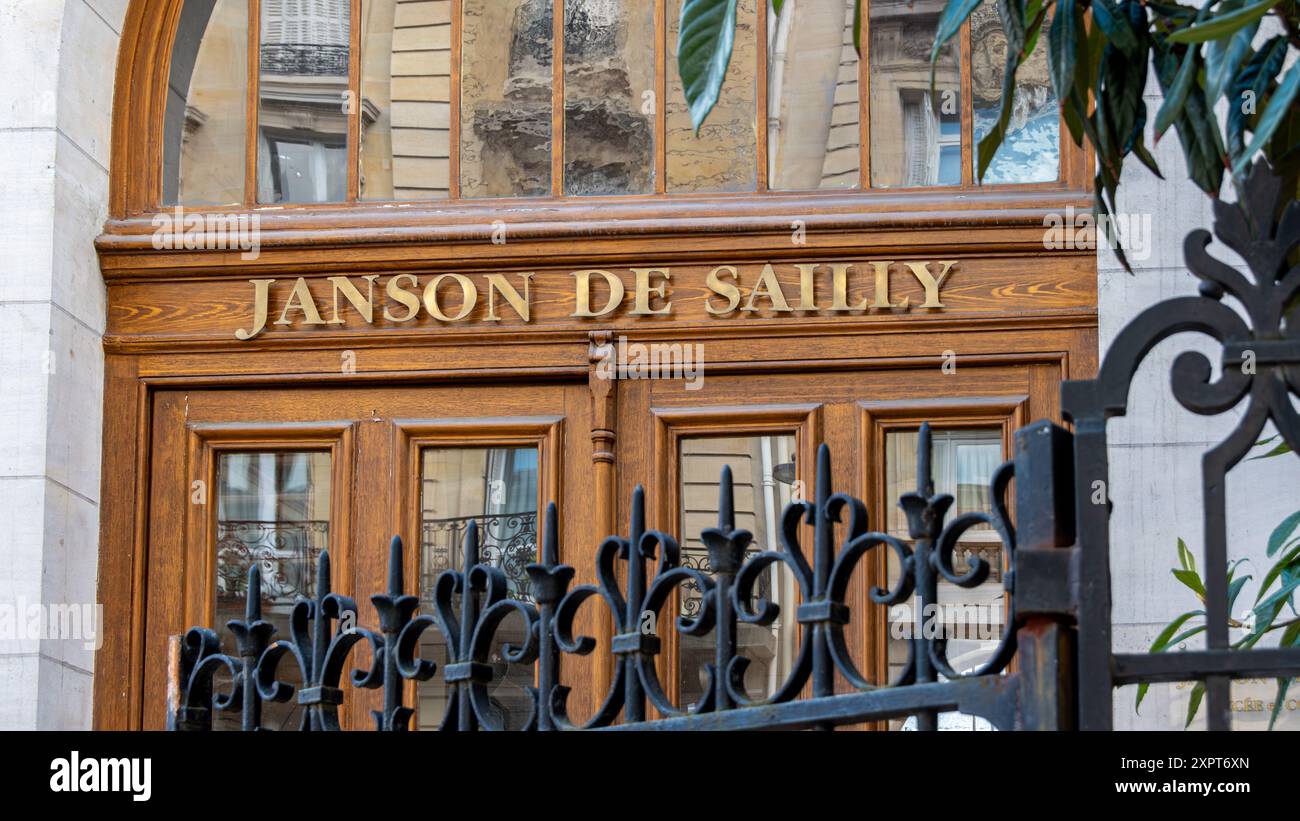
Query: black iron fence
{"x": 1056, "y": 579}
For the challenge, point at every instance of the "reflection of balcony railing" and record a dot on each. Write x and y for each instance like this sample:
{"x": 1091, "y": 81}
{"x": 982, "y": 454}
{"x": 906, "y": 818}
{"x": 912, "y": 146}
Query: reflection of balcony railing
{"x": 507, "y": 541}
{"x": 305, "y": 58}
{"x": 284, "y": 551}
{"x": 697, "y": 558}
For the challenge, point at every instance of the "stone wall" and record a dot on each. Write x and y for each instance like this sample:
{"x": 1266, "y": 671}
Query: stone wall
{"x": 59, "y": 58}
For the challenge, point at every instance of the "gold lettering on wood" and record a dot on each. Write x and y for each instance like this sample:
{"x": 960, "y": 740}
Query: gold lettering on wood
{"x": 730, "y": 289}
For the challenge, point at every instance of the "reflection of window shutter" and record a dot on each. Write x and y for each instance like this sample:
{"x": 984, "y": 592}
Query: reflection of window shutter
{"x": 318, "y": 22}
{"x": 931, "y": 134}
{"x": 914, "y": 143}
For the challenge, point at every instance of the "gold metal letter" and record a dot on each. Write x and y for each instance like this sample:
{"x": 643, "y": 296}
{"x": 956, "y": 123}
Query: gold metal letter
{"x": 497, "y": 283}
{"x": 364, "y": 305}
{"x": 727, "y": 289}
{"x": 300, "y": 299}
{"x": 840, "y": 289}
{"x": 641, "y": 303}
{"x": 467, "y": 289}
{"x": 767, "y": 286}
{"x": 882, "y": 287}
{"x": 582, "y": 293}
{"x": 397, "y": 293}
{"x": 931, "y": 283}
{"x": 261, "y": 295}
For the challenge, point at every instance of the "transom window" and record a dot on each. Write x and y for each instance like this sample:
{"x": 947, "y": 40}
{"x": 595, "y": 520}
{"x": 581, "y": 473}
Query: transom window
{"x": 321, "y": 101}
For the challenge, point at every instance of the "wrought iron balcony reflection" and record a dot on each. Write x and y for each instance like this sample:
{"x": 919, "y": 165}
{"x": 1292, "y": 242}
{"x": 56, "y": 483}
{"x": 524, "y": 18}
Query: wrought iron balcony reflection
{"x": 507, "y": 541}
{"x": 285, "y": 553}
{"x": 305, "y": 59}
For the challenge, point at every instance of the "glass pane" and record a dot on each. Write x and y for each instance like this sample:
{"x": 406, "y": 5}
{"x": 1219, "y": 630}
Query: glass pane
{"x": 723, "y": 156}
{"x": 1031, "y": 150}
{"x": 405, "y": 99}
{"x": 609, "y": 81}
{"x": 763, "y": 472}
{"x": 812, "y": 107}
{"x": 497, "y": 488}
{"x": 505, "y": 132}
{"x": 962, "y": 464}
{"x": 915, "y": 135}
{"x": 303, "y": 101}
{"x": 273, "y": 510}
{"x": 206, "y": 100}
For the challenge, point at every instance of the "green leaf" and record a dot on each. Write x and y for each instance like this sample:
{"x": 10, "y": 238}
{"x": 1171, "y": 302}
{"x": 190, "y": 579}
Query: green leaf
{"x": 1198, "y": 693}
{"x": 777, "y": 5}
{"x": 1234, "y": 590}
{"x": 1267, "y": 610}
{"x": 1290, "y": 637}
{"x": 1277, "y": 450}
{"x": 1218, "y": 80}
{"x": 1177, "y": 96}
{"x": 1112, "y": 23}
{"x": 950, "y": 22}
{"x": 857, "y": 27}
{"x": 1223, "y": 25}
{"x": 1062, "y": 42}
{"x": 708, "y": 33}
{"x": 1276, "y": 570}
{"x": 1254, "y": 80}
{"x": 1191, "y": 580}
{"x": 1283, "y": 532}
{"x": 1185, "y": 557}
{"x": 1279, "y": 106}
{"x": 1163, "y": 642}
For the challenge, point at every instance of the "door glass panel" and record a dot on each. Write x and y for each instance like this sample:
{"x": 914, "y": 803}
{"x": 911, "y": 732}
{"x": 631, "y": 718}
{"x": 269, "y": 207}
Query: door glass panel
{"x": 609, "y": 111}
{"x": 405, "y": 99}
{"x": 497, "y": 488}
{"x": 206, "y": 105}
{"x": 1031, "y": 149}
{"x": 505, "y": 97}
{"x": 763, "y": 473}
{"x": 723, "y": 157}
{"x": 915, "y": 135}
{"x": 273, "y": 511}
{"x": 303, "y": 101}
{"x": 962, "y": 464}
{"x": 812, "y": 96}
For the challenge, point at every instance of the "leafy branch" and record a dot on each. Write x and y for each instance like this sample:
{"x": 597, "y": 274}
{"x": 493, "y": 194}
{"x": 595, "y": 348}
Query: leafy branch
{"x": 1277, "y": 593}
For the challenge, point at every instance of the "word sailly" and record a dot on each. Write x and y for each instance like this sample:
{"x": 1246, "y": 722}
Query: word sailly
{"x": 732, "y": 290}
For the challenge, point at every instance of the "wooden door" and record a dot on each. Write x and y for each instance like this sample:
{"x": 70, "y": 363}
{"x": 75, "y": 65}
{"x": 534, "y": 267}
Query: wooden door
{"x": 768, "y": 423}
{"x": 346, "y": 469}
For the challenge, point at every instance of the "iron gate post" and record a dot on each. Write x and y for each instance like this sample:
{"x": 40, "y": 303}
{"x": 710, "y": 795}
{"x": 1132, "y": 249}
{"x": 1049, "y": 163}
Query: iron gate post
{"x": 1045, "y": 582}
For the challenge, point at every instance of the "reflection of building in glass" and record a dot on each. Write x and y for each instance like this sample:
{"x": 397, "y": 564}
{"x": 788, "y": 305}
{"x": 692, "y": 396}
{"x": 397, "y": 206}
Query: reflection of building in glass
{"x": 303, "y": 101}
{"x": 1031, "y": 149}
{"x": 915, "y": 135}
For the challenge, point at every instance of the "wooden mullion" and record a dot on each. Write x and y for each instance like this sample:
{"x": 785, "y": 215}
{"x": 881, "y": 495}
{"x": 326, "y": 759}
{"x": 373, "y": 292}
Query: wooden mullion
{"x": 964, "y": 60}
{"x": 762, "y": 104}
{"x": 864, "y": 98}
{"x": 661, "y": 96}
{"x": 354, "y": 102}
{"x": 557, "y": 99}
{"x": 251, "y": 124}
{"x": 453, "y": 124}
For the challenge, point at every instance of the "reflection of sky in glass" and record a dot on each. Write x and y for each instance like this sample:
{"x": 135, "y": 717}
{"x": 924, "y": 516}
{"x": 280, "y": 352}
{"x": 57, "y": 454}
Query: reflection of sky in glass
{"x": 1030, "y": 153}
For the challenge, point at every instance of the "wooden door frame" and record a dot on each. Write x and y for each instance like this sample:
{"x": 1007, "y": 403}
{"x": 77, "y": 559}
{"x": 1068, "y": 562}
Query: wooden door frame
{"x": 663, "y": 502}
